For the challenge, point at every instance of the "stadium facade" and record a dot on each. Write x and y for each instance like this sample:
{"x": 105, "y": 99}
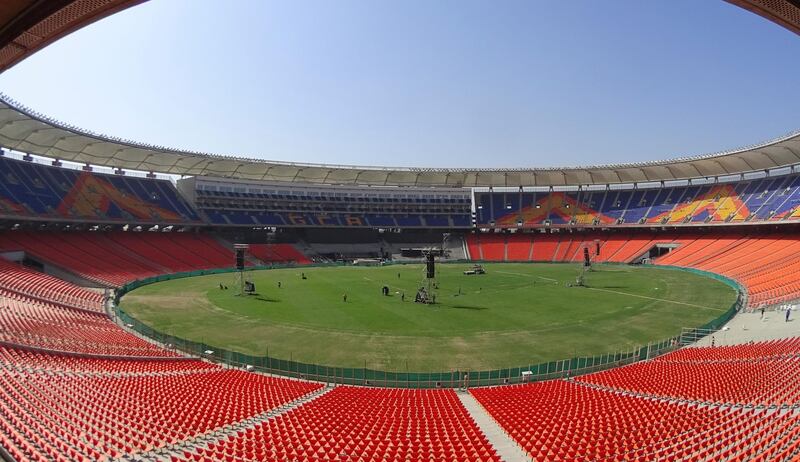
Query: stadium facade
{"x": 80, "y": 210}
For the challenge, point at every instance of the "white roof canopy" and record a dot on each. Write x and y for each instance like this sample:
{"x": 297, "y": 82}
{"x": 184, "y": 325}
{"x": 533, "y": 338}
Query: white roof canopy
{"x": 24, "y": 130}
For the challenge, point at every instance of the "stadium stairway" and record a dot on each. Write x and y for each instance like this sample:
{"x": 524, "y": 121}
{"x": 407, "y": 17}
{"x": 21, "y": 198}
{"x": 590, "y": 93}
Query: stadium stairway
{"x": 720, "y": 403}
{"x": 507, "y": 448}
{"x": 455, "y": 248}
{"x": 188, "y": 448}
{"x": 566, "y": 420}
{"x": 749, "y": 327}
{"x": 360, "y": 424}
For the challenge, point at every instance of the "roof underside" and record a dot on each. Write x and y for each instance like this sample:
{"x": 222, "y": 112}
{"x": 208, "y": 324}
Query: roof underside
{"x": 783, "y": 12}
{"x": 23, "y": 130}
{"x": 27, "y": 26}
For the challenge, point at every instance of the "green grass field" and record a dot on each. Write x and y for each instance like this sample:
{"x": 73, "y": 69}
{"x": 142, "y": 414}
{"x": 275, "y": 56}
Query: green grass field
{"x": 515, "y": 314}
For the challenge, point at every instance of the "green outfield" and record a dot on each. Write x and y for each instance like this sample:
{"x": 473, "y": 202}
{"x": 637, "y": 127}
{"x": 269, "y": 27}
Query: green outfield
{"x": 515, "y": 314}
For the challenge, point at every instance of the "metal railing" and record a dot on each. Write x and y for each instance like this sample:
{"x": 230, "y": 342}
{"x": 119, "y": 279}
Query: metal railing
{"x": 404, "y": 379}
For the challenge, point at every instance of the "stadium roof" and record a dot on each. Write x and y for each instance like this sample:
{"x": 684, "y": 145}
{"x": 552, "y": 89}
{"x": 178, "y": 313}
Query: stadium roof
{"x": 24, "y": 130}
{"x": 29, "y": 25}
{"x": 26, "y": 26}
{"x": 783, "y": 12}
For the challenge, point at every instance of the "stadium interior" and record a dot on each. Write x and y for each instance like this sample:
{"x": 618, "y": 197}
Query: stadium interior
{"x": 83, "y": 216}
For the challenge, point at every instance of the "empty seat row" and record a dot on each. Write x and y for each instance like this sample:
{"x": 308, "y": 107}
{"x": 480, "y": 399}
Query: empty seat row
{"x": 93, "y": 417}
{"x": 763, "y": 264}
{"x": 567, "y": 421}
{"x": 360, "y": 423}
{"x": 17, "y": 278}
{"x": 116, "y": 258}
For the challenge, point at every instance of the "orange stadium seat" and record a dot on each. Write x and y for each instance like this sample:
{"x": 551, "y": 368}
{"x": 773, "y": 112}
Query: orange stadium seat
{"x": 358, "y": 423}
{"x": 116, "y": 258}
{"x": 764, "y": 265}
{"x": 278, "y": 253}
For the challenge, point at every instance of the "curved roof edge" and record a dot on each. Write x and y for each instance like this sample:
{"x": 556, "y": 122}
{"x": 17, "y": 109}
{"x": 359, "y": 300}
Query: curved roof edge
{"x": 785, "y": 13}
{"x": 23, "y": 129}
{"x": 27, "y": 26}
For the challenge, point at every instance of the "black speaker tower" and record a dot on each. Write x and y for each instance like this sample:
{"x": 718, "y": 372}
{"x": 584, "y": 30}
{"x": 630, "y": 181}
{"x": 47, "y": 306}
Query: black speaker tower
{"x": 240, "y": 259}
{"x": 240, "y": 250}
{"x": 430, "y": 266}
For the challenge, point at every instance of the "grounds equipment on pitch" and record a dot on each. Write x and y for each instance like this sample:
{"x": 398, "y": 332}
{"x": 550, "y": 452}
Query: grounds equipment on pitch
{"x": 426, "y": 293}
{"x": 240, "y": 250}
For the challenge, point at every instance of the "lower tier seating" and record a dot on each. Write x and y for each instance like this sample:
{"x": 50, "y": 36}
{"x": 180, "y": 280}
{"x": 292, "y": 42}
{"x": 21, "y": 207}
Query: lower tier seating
{"x": 29, "y": 322}
{"x": 764, "y": 264}
{"x": 60, "y": 363}
{"x": 700, "y": 403}
{"x": 357, "y": 423}
{"x": 762, "y": 382}
{"x": 278, "y": 253}
{"x": 732, "y": 403}
{"x": 753, "y": 374}
{"x": 782, "y": 348}
{"x": 116, "y": 258}
{"x": 565, "y": 421}
{"x": 17, "y": 278}
{"x": 48, "y": 415}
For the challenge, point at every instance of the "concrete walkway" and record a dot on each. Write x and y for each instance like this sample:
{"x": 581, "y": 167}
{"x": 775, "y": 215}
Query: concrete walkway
{"x": 507, "y": 449}
{"x": 747, "y": 327}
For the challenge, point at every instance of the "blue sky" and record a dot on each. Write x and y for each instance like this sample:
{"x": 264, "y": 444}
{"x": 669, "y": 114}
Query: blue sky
{"x": 446, "y": 83}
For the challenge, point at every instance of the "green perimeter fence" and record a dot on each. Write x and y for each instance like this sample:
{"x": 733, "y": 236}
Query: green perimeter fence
{"x": 449, "y": 379}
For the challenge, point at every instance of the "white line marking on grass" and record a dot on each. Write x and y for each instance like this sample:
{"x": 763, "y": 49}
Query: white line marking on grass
{"x": 513, "y": 273}
{"x": 525, "y": 275}
{"x": 657, "y": 299}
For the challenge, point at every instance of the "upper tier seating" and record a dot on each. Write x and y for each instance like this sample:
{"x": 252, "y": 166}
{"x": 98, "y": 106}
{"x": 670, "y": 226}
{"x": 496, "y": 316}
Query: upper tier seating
{"x": 34, "y": 190}
{"x": 358, "y": 423}
{"x": 259, "y": 204}
{"x": 260, "y": 217}
{"x": 767, "y": 199}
